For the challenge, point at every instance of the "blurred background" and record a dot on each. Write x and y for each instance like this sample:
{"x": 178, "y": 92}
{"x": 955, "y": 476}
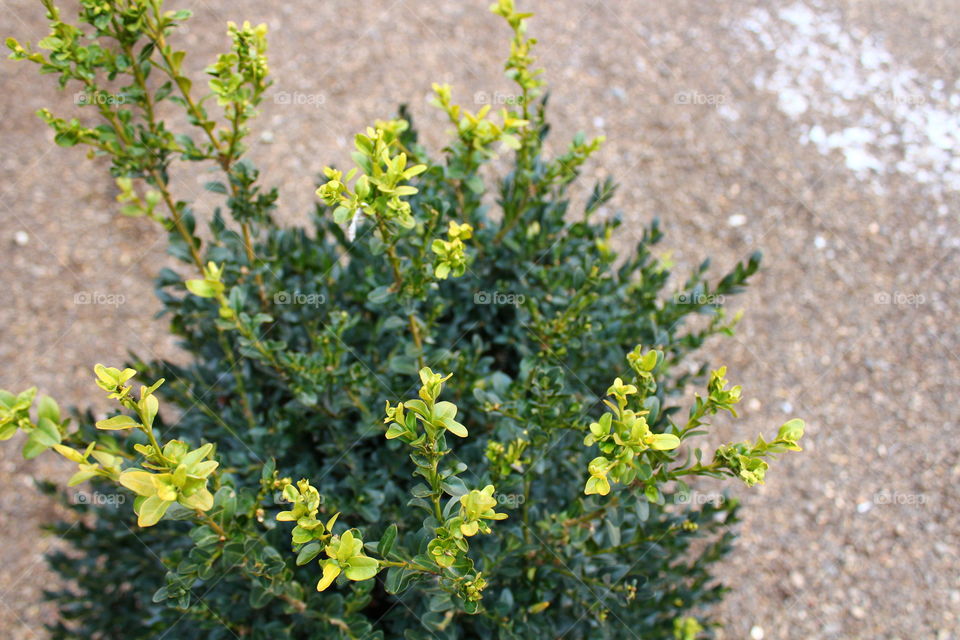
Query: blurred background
{"x": 825, "y": 134}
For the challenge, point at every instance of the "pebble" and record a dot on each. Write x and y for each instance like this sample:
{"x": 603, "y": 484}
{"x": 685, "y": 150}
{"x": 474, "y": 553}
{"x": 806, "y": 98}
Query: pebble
{"x": 756, "y": 633}
{"x": 737, "y": 220}
{"x": 797, "y": 580}
{"x": 864, "y": 507}
{"x": 21, "y": 238}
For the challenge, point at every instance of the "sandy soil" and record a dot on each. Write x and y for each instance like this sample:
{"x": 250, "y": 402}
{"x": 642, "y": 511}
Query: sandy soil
{"x": 824, "y": 134}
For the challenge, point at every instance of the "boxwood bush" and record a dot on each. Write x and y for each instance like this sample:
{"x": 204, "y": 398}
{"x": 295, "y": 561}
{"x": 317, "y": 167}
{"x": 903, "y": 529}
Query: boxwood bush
{"x": 445, "y": 408}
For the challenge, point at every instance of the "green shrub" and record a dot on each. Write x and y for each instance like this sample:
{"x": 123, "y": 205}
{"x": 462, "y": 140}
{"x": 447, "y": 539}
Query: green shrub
{"x": 535, "y": 488}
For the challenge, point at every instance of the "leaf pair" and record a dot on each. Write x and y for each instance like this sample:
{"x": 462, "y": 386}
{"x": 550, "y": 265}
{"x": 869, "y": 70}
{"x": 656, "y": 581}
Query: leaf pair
{"x": 346, "y": 555}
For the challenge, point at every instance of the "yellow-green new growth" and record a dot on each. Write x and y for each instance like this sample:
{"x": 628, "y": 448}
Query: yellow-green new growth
{"x": 686, "y": 628}
{"x": 745, "y": 460}
{"x": 476, "y": 131}
{"x": 238, "y": 80}
{"x": 477, "y": 507}
{"x": 452, "y": 254}
{"x": 432, "y": 415}
{"x": 239, "y": 77}
{"x": 104, "y": 464}
{"x": 173, "y": 473}
{"x": 381, "y": 186}
{"x": 518, "y": 66}
{"x": 345, "y": 554}
{"x": 210, "y": 286}
{"x": 47, "y": 431}
{"x": 184, "y": 481}
{"x": 114, "y": 381}
{"x": 622, "y": 434}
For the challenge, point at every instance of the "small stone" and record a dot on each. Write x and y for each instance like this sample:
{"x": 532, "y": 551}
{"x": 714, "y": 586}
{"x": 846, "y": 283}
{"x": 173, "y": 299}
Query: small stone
{"x": 737, "y": 220}
{"x": 598, "y": 122}
{"x": 819, "y": 242}
{"x": 266, "y": 137}
{"x": 756, "y": 632}
{"x": 797, "y": 580}
{"x": 727, "y": 112}
{"x": 858, "y": 613}
{"x": 21, "y": 238}
{"x": 864, "y": 507}
{"x": 786, "y": 407}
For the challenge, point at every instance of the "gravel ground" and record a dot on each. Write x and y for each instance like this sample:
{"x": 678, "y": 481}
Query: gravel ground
{"x": 825, "y": 134}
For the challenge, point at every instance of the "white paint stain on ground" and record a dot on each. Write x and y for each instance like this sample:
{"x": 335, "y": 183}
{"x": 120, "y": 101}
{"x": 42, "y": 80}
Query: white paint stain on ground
{"x": 852, "y": 96}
